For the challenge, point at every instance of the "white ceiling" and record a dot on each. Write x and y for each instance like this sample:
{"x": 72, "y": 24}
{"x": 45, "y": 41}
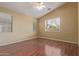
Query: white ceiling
{"x": 27, "y": 7}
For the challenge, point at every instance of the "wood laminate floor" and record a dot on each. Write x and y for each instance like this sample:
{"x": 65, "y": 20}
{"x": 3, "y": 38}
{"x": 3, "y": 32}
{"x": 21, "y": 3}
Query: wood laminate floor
{"x": 40, "y": 47}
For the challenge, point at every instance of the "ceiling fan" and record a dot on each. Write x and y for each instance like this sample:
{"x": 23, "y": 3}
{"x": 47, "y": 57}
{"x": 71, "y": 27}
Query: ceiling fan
{"x": 40, "y": 6}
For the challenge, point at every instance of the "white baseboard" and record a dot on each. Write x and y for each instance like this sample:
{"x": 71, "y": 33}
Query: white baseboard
{"x": 29, "y": 37}
{"x": 58, "y": 40}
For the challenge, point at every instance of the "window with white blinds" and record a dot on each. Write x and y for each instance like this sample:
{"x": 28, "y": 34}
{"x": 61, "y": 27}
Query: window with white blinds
{"x": 5, "y": 23}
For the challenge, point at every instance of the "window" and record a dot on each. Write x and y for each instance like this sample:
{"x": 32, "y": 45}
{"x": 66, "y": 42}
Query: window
{"x": 34, "y": 25}
{"x": 53, "y": 24}
{"x": 5, "y": 22}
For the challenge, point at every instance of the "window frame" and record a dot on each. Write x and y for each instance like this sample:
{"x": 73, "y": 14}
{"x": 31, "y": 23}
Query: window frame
{"x": 46, "y": 30}
{"x": 10, "y": 25}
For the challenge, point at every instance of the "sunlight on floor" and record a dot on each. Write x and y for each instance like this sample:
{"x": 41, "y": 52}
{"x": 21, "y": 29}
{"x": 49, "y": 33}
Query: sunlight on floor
{"x": 52, "y": 51}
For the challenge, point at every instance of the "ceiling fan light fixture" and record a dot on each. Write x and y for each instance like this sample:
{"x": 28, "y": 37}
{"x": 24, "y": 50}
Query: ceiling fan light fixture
{"x": 40, "y": 6}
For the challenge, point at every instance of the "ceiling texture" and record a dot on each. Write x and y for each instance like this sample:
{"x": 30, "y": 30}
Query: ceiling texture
{"x": 27, "y": 8}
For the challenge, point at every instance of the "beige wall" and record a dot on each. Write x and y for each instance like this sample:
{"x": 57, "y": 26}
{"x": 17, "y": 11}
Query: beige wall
{"x": 23, "y": 25}
{"x": 68, "y": 31}
{"x": 22, "y": 28}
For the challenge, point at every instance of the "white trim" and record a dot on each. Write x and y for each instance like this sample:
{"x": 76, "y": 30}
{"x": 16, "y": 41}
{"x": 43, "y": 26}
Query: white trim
{"x": 29, "y": 37}
{"x": 34, "y": 37}
{"x": 58, "y": 40}
{"x": 17, "y": 41}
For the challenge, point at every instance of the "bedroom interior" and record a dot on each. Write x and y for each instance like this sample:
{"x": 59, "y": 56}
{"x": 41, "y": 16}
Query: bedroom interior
{"x": 39, "y": 29}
